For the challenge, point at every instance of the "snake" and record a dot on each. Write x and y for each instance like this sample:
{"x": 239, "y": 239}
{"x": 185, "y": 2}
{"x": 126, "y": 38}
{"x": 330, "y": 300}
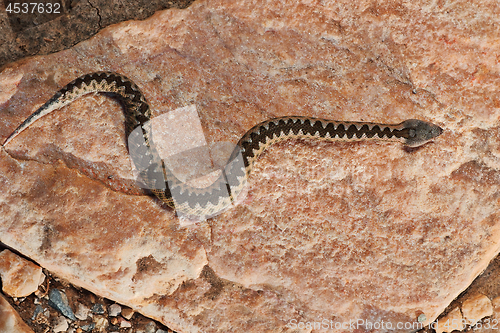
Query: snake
{"x": 209, "y": 201}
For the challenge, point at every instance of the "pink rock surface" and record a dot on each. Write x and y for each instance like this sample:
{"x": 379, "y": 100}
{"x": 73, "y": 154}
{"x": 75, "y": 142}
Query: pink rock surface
{"x": 19, "y": 276}
{"x": 328, "y": 232}
{"x": 10, "y": 321}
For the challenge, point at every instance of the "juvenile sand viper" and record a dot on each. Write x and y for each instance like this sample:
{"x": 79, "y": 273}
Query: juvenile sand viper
{"x": 211, "y": 200}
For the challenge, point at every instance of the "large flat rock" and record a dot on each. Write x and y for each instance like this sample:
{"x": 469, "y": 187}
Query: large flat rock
{"x": 328, "y": 232}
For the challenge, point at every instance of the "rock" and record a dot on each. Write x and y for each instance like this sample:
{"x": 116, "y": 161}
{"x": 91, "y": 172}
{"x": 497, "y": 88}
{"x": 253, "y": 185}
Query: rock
{"x": 98, "y": 309}
{"x": 451, "y": 322}
{"x": 60, "y": 324}
{"x": 114, "y": 310}
{"x": 38, "y": 310}
{"x": 127, "y": 313}
{"x": 476, "y": 308}
{"x": 19, "y": 300}
{"x": 10, "y": 321}
{"x": 150, "y": 327}
{"x": 59, "y": 301}
{"x": 124, "y": 323}
{"x": 20, "y": 277}
{"x": 496, "y": 305}
{"x": 340, "y": 231}
{"x": 42, "y": 279}
{"x": 82, "y": 312}
{"x": 489, "y": 325}
{"x": 101, "y": 324}
{"x": 89, "y": 327}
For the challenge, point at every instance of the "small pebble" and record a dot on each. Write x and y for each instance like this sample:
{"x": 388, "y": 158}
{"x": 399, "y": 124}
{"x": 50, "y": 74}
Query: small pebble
{"x": 101, "y": 323}
{"x": 114, "y": 310}
{"x": 114, "y": 321}
{"x": 127, "y": 313}
{"x": 161, "y": 331}
{"x": 60, "y": 325}
{"x": 59, "y": 301}
{"x": 98, "y": 309}
{"x": 125, "y": 323}
{"x": 150, "y": 327}
{"x": 82, "y": 312}
{"x": 88, "y": 327}
{"x": 38, "y": 309}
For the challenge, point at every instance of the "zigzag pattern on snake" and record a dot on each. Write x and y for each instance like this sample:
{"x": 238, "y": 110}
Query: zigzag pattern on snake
{"x": 213, "y": 199}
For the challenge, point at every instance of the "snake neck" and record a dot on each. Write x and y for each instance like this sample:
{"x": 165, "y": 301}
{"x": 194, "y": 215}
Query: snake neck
{"x": 261, "y": 136}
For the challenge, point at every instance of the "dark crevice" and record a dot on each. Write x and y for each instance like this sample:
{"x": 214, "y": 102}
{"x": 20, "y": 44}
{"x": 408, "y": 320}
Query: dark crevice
{"x": 39, "y": 34}
{"x": 98, "y": 13}
{"x": 72, "y": 162}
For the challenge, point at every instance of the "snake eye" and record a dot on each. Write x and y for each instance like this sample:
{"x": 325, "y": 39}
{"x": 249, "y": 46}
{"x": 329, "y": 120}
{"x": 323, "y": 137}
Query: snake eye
{"x": 412, "y": 133}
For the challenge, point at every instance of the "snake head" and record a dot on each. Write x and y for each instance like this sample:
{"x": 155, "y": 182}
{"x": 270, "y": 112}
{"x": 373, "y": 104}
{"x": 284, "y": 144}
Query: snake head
{"x": 419, "y": 132}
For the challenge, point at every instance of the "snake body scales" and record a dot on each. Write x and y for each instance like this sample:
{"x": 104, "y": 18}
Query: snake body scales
{"x": 211, "y": 200}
